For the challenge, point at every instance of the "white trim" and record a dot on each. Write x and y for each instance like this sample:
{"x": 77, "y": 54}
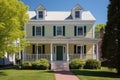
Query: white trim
{"x": 67, "y": 52}
{"x": 41, "y": 30}
{"x": 63, "y": 22}
{"x": 56, "y": 30}
{"x": 51, "y": 47}
{"x": 82, "y": 30}
{"x": 38, "y": 15}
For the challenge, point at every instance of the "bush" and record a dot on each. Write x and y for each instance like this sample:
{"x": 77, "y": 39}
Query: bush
{"x": 77, "y": 64}
{"x": 92, "y": 64}
{"x": 26, "y": 65}
{"x": 41, "y": 64}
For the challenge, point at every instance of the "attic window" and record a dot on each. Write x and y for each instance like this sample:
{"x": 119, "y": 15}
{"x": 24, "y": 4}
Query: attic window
{"x": 40, "y": 14}
{"x": 77, "y": 14}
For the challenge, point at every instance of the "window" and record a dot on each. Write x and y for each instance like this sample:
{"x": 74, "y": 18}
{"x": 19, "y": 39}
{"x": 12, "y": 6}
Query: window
{"x": 38, "y": 31}
{"x": 40, "y": 14}
{"x": 80, "y": 31}
{"x": 79, "y": 49}
{"x": 59, "y": 30}
{"x": 77, "y": 14}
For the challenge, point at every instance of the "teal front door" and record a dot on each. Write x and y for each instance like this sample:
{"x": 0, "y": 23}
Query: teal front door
{"x": 59, "y": 53}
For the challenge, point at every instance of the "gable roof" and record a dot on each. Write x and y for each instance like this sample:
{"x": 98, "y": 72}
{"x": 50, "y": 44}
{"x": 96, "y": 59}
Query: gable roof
{"x": 62, "y": 15}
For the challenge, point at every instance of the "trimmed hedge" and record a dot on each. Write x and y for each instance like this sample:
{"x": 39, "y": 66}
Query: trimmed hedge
{"x": 41, "y": 64}
{"x": 92, "y": 64}
{"x": 77, "y": 64}
{"x": 26, "y": 65}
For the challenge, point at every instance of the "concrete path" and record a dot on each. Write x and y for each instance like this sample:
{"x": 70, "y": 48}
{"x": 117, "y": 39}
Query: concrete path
{"x": 65, "y": 75}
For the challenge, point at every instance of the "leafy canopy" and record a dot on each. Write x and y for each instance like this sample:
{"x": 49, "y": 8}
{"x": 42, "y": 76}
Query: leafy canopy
{"x": 13, "y": 17}
{"x": 97, "y": 30}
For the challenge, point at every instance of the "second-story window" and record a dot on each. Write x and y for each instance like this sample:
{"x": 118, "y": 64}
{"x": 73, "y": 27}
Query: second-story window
{"x": 79, "y": 31}
{"x": 38, "y": 30}
{"x": 77, "y": 14}
{"x": 40, "y": 14}
{"x": 59, "y": 30}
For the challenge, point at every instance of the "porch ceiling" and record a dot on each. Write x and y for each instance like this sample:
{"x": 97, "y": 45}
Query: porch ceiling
{"x": 72, "y": 40}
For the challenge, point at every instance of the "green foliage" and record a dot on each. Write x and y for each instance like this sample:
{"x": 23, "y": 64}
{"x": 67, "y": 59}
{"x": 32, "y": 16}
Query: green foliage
{"x": 77, "y": 64}
{"x": 13, "y": 17}
{"x": 92, "y": 64}
{"x": 26, "y": 65}
{"x": 97, "y": 30}
{"x": 41, "y": 64}
{"x": 111, "y": 39}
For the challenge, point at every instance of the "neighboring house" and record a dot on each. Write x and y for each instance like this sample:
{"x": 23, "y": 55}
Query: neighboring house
{"x": 60, "y": 36}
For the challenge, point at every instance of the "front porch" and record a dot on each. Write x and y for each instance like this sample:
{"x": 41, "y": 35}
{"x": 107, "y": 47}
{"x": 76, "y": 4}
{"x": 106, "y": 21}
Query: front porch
{"x": 60, "y": 52}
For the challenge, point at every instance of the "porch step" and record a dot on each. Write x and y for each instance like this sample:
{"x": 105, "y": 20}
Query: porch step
{"x": 60, "y": 65}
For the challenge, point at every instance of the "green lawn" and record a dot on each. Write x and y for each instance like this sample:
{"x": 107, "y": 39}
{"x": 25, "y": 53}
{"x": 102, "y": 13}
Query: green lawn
{"x": 102, "y": 74}
{"x": 26, "y": 75}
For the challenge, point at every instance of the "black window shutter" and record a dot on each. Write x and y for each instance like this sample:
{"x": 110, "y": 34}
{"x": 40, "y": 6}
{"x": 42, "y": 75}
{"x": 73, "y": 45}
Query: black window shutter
{"x": 33, "y": 49}
{"x": 75, "y": 28}
{"x": 74, "y": 49}
{"x": 54, "y": 30}
{"x": 43, "y": 47}
{"x": 33, "y": 30}
{"x": 84, "y": 30}
{"x": 43, "y": 31}
{"x": 84, "y": 49}
{"x": 63, "y": 30}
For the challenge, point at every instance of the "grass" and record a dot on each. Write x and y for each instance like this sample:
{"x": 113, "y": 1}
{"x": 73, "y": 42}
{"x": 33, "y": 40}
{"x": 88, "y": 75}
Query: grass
{"x": 101, "y": 74}
{"x": 12, "y": 74}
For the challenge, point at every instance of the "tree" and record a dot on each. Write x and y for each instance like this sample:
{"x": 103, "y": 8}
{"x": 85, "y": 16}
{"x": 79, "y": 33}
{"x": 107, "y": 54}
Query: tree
{"x": 111, "y": 39}
{"x": 97, "y": 30}
{"x": 13, "y": 17}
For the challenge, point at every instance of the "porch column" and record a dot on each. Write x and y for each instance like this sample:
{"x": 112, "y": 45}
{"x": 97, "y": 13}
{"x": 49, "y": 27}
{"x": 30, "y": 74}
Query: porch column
{"x": 67, "y": 52}
{"x": 37, "y": 52}
{"x": 51, "y": 47}
{"x": 97, "y": 52}
{"x": 93, "y": 51}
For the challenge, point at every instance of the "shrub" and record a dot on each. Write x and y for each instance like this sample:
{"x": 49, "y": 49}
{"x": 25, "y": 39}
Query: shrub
{"x": 41, "y": 64}
{"x": 92, "y": 64}
{"x": 26, "y": 65}
{"x": 77, "y": 64}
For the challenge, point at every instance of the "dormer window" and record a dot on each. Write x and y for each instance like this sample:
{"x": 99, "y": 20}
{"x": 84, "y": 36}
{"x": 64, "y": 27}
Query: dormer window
{"x": 77, "y": 14}
{"x": 40, "y": 14}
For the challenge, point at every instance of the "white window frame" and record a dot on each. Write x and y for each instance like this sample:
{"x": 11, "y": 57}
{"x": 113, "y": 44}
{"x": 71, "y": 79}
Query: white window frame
{"x": 82, "y": 31}
{"x": 41, "y": 30}
{"x": 75, "y": 13}
{"x": 56, "y": 31}
{"x": 38, "y": 14}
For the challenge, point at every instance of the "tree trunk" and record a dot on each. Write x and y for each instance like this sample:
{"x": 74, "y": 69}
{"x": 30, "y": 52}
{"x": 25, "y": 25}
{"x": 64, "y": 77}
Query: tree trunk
{"x": 118, "y": 71}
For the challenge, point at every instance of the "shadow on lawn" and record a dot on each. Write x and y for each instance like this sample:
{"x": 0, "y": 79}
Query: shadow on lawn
{"x": 2, "y": 74}
{"x": 96, "y": 73}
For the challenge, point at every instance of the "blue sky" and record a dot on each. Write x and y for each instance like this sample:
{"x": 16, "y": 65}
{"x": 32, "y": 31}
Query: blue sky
{"x": 97, "y": 7}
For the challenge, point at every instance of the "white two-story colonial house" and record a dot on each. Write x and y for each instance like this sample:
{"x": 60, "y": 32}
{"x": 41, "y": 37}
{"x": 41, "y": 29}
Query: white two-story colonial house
{"x": 60, "y": 36}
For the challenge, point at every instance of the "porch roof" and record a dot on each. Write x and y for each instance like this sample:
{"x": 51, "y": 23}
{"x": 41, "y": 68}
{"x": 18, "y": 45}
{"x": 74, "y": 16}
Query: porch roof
{"x": 59, "y": 39}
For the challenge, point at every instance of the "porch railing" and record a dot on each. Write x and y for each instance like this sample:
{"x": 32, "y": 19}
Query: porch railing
{"x": 33, "y": 57}
{"x": 81, "y": 56}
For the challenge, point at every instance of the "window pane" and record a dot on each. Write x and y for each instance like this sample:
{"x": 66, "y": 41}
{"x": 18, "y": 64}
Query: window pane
{"x": 80, "y": 31}
{"x": 38, "y": 30}
{"x": 79, "y": 49}
{"x": 77, "y": 14}
{"x": 40, "y": 14}
{"x": 59, "y": 30}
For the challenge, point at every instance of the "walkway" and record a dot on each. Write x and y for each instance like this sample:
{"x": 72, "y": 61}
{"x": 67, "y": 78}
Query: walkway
{"x": 65, "y": 75}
